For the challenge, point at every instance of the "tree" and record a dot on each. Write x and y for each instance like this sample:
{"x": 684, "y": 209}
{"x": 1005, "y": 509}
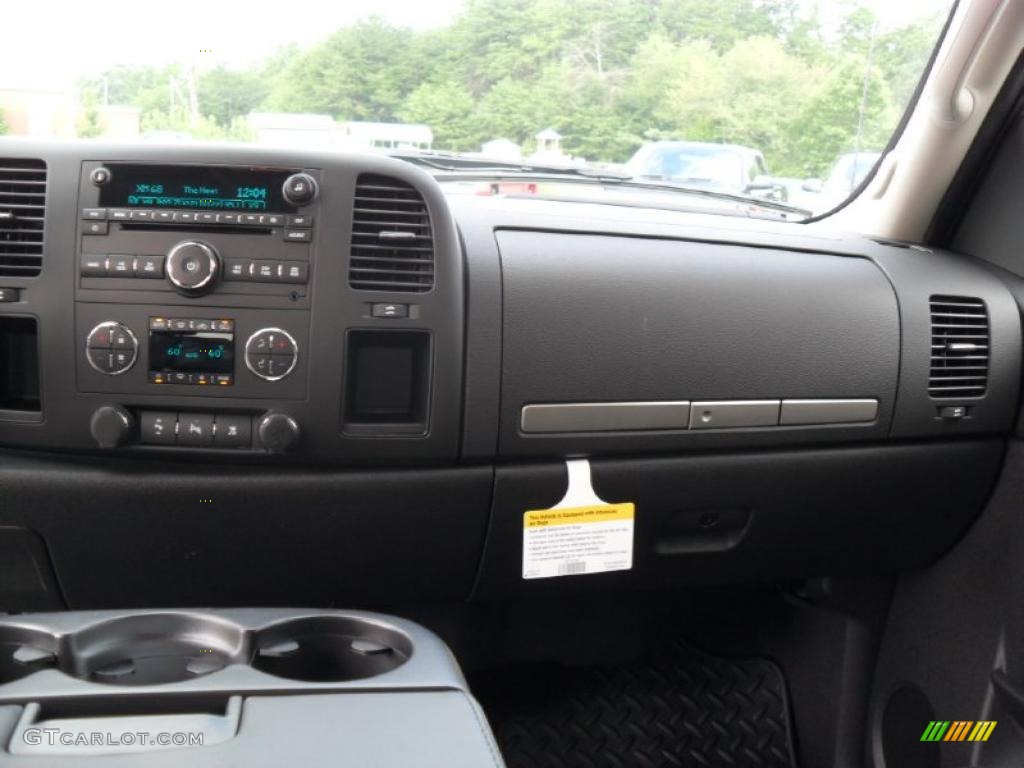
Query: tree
{"x": 448, "y": 109}
{"x": 225, "y": 94}
{"x": 3, "y": 124}
{"x": 88, "y": 125}
{"x": 362, "y": 72}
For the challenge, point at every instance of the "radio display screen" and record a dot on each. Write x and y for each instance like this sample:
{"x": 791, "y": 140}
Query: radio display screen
{"x": 191, "y": 357}
{"x": 203, "y": 187}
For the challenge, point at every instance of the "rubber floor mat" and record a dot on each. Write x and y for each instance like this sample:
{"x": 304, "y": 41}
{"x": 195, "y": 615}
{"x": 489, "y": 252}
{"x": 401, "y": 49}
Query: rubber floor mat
{"x": 677, "y": 707}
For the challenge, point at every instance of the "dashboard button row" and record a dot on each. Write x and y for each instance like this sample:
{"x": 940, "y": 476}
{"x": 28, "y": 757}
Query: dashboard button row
{"x": 195, "y": 430}
{"x": 266, "y": 271}
{"x": 94, "y": 219}
{"x": 198, "y": 379}
{"x": 121, "y": 265}
{"x": 190, "y": 324}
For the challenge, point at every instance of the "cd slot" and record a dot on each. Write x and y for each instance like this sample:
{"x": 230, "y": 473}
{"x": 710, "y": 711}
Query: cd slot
{"x": 226, "y": 229}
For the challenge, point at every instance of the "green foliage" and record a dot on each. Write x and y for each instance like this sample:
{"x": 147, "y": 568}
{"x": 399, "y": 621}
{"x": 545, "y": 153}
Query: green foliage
{"x": 3, "y": 124}
{"x": 88, "y": 125}
{"x": 607, "y": 74}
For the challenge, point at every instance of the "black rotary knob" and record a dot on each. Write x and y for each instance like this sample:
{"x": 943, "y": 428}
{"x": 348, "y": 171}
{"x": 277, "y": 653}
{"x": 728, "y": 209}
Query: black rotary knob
{"x": 112, "y": 426}
{"x": 299, "y": 189}
{"x": 278, "y": 432}
{"x": 193, "y": 267}
{"x": 100, "y": 176}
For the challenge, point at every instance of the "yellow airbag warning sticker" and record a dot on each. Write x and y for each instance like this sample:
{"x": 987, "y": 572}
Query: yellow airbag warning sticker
{"x": 571, "y": 541}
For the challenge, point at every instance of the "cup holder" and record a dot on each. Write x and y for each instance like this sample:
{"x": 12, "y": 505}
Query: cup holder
{"x": 24, "y": 651}
{"x": 329, "y": 649}
{"x": 152, "y": 649}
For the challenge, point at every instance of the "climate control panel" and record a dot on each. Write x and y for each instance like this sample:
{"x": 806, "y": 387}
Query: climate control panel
{"x": 134, "y": 349}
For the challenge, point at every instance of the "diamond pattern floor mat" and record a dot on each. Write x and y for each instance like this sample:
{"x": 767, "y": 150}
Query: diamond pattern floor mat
{"x": 678, "y": 707}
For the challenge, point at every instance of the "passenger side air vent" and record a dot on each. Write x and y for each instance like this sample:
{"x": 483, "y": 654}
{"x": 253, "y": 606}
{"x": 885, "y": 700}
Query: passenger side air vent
{"x": 960, "y": 347}
{"x": 22, "y": 205}
{"x": 392, "y": 242}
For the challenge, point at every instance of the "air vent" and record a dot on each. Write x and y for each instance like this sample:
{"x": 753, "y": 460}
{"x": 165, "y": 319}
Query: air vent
{"x": 392, "y": 243}
{"x": 960, "y": 347}
{"x": 22, "y": 204}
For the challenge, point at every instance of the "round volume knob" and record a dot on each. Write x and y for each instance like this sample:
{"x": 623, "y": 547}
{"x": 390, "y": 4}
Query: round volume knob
{"x": 193, "y": 267}
{"x": 278, "y": 432}
{"x": 112, "y": 426}
{"x": 299, "y": 188}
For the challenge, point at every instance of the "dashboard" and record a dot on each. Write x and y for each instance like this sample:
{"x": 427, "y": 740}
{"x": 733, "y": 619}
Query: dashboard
{"x": 333, "y": 348}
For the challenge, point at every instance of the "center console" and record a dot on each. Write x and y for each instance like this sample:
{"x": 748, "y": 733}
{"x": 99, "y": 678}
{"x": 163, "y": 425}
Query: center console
{"x": 255, "y": 687}
{"x": 233, "y": 304}
{"x": 237, "y": 244}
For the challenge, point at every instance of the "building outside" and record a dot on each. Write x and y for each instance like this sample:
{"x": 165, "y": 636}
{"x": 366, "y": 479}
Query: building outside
{"x": 39, "y": 113}
{"x": 502, "y": 149}
{"x": 388, "y": 135}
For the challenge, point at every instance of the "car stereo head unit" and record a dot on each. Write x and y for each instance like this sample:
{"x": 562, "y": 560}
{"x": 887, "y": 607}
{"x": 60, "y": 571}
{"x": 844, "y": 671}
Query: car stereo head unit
{"x": 202, "y": 187}
{"x": 197, "y": 229}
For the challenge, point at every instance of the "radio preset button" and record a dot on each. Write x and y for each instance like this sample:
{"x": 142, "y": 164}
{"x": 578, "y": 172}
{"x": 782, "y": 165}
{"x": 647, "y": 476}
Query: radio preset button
{"x": 228, "y": 218}
{"x": 265, "y": 271}
{"x": 142, "y": 215}
{"x": 119, "y": 214}
{"x": 149, "y": 266}
{"x": 94, "y": 266}
{"x": 121, "y": 266}
{"x": 294, "y": 272}
{"x": 185, "y": 217}
{"x": 206, "y": 218}
{"x": 97, "y": 214}
{"x": 164, "y": 216}
{"x": 237, "y": 269}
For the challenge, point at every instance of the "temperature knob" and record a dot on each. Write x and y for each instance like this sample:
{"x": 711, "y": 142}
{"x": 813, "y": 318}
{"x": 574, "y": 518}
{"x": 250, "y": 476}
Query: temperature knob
{"x": 193, "y": 267}
{"x": 112, "y": 426}
{"x": 278, "y": 432}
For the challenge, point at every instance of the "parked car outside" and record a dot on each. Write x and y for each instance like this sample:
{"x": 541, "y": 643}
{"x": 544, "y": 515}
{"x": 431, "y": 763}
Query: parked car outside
{"x": 729, "y": 168}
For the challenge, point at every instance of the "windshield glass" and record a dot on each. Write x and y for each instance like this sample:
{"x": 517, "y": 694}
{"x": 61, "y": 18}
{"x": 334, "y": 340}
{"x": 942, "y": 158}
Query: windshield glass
{"x": 785, "y": 103}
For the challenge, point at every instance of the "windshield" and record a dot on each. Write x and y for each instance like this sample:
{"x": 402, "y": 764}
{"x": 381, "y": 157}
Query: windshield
{"x": 782, "y": 102}
{"x": 690, "y": 164}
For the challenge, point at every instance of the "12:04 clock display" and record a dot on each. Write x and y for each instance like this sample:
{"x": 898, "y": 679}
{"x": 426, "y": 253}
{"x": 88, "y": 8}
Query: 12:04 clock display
{"x": 216, "y": 188}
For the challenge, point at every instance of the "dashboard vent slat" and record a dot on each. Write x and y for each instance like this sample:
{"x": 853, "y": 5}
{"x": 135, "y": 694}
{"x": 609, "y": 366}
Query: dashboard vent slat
{"x": 392, "y": 240}
{"x": 960, "y": 347}
{"x": 22, "y": 201}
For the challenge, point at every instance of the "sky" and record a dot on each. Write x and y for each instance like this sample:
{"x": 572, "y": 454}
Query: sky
{"x": 87, "y": 38}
